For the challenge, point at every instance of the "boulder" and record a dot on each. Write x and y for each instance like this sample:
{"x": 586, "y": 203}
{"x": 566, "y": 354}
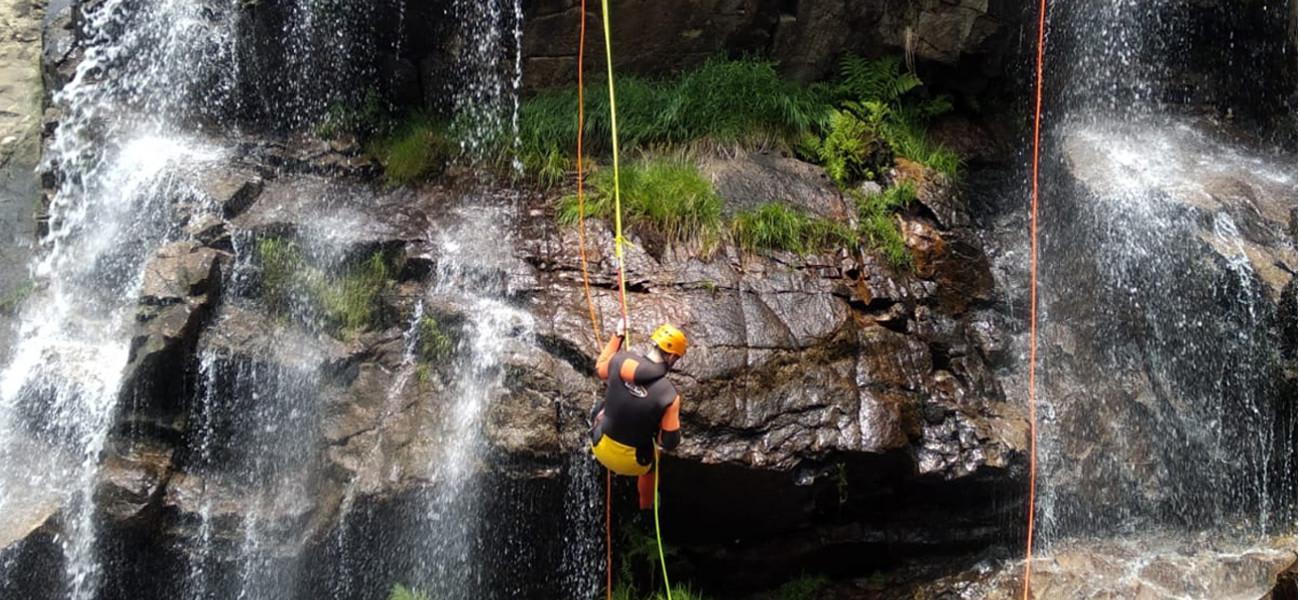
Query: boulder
{"x": 180, "y": 286}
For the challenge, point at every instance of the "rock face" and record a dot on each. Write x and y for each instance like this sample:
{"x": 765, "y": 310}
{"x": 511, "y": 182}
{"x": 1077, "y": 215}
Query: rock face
{"x": 1154, "y": 568}
{"x": 1138, "y": 241}
{"x": 20, "y": 125}
{"x": 806, "y": 38}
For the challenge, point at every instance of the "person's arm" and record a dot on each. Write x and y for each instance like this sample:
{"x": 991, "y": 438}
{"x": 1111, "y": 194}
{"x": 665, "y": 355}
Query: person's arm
{"x": 641, "y": 372}
{"x": 611, "y": 348}
{"x": 670, "y": 426}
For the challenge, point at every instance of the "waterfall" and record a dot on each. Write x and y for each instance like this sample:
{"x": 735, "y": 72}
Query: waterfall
{"x": 1163, "y": 377}
{"x": 124, "y": 170}
{"x": 489, "y": 74}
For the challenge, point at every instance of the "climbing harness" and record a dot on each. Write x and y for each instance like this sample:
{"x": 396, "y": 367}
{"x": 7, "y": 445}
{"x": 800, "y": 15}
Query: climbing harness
{"x": 1033, "y": 294}
{"x": 622, "y": 279}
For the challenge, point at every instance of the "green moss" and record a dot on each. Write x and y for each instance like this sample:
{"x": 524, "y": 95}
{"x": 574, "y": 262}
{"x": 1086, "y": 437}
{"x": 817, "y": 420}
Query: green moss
{"x": 435, "y": 343}
{"x": 665, "y": 196}
{"x": 346, "y": 302}
{"x": 777, "y": 226}
{"x": 804, "y": 588}
{"x": 353, "y": 301}
{"x": 401, "y": 592}
{"x": 13, "y": 299}
{"x": 416, "y": 149}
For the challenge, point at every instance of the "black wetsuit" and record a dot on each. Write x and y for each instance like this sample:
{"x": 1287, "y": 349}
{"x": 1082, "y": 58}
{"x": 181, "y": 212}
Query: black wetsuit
{"x": 639, "y": 403}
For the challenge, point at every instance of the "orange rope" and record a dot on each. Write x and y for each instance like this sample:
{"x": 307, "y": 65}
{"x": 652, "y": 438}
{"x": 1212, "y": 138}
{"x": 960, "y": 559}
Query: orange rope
{"x": 582, "y": 212}
{"x": 1033, "y": 295}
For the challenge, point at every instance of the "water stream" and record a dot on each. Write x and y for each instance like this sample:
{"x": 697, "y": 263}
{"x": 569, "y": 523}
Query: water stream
{"x": 1162, "y": 366}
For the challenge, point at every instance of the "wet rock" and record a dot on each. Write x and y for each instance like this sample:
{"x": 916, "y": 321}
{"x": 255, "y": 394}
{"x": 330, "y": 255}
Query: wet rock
{"x": 181, "y": 284}
{"x": 1244, "y": 213}
{"x": 20, "y": 135}
{"x": 233, "y": 190}
{"x": 247, "y": 336}
{"x": 131, "y": 480}
{"x": 750, "y": 179}
{"x": 805, "y": 38}
{"x": 1155, "y": 568}
{"x": 179, "y": 271}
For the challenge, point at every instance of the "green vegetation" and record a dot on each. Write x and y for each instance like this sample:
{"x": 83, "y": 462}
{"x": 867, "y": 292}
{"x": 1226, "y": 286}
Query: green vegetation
{"x": 435, "y": 344}
{"x": 854, "y": 126}
{"x": 681, "y": 592}
{"x": 353, "y": 301}
{"x": 670, "y": 199}
{"x": 401, "y": 592}
{"x": 846, "y": 149}
{"x": 346, "y": 301}
{"x": 777, "y": 226}
{"x": 876, "y": 223}
{"x": 364, "y": 119}
{"x": 721, "y": 101}
{"x": 412, "y": 149}
{"x": 665, "y": 196}
{"x": 282, "y": 267}
{"x": 13, "y": 299}
{"x": 879, "y": 111}
{"x": 805, "y": 587}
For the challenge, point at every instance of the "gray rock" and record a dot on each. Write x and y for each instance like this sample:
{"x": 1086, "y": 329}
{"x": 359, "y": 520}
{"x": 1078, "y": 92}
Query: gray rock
{"x": 234, "y": 190}
{"x": 750, "y": 179}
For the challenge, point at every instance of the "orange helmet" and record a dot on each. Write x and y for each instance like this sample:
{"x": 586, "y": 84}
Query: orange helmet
{"x": 670, "y": 339}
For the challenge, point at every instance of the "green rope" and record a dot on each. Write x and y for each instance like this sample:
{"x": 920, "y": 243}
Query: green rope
{"x": 668, "y": 588}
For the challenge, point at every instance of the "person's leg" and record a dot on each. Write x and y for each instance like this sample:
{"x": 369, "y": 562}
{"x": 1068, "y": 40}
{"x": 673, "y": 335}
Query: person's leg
{"x": 645, "y": 486}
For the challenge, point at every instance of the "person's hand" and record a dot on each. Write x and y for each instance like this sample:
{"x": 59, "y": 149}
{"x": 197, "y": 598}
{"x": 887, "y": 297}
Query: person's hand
{"x": 621, "y": 328}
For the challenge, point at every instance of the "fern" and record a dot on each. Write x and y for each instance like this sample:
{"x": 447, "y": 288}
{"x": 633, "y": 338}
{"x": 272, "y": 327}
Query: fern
{"x": 882, "y": 79}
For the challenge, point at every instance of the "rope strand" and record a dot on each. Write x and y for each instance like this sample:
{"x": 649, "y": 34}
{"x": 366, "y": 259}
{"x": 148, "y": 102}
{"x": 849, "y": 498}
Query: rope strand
{"x": 1033, "y": 298}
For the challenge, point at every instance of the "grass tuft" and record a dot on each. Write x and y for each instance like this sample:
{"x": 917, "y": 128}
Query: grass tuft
{"x": 806, "y": 587}
{"x": 877, "y": 226}
{"x": 666, "y": 196}
{"x": 348, "y": 302}
{"x": 435, "y": 344}
{"x": 777, "y": 226}
{"x": 353, "y": 302}
{"x": 417, "y": 148}
{"x": 401, "y": 592}
{"x": 721, "y": 101}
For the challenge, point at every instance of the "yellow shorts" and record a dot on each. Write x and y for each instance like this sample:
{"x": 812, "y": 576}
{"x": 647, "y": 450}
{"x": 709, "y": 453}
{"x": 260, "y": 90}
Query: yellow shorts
{"x": 619, "y": 458}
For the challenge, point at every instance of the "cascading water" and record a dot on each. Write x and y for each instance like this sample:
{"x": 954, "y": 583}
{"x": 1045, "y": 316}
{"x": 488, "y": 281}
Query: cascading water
{"x": 486, "y": 99}
{"x": 1163, "y": 371}
{"x": 124, "y": 170}
{"x": 470, "y": 274}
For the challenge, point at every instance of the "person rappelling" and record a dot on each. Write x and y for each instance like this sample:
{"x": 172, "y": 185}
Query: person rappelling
{"x": 639, "y": 412}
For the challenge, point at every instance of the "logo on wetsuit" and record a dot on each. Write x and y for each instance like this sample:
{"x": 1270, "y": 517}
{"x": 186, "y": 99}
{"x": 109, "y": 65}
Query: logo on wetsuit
{"x": 636, "y": 390}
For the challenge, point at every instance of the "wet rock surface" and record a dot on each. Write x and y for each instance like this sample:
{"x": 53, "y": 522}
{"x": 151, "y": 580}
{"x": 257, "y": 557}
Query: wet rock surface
{"x": 1155, "y": 568}
{"x": 20, "y": 127}
{"x": 806, "y": 38}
